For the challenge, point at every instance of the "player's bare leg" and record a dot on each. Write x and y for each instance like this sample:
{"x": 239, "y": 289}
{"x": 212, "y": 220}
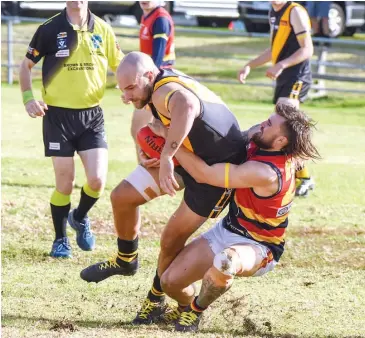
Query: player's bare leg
{"x": 138, "y": 188}
{"x": 182, "y": 224}
{"x": 238, "y": 260}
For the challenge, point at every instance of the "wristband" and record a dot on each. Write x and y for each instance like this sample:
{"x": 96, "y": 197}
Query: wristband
{"x": 27, "y": 96}
{"x": 226, "y": 176}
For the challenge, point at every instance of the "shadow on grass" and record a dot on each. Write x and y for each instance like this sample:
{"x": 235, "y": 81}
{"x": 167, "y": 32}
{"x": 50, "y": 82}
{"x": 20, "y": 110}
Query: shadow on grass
{"x": 73, "y": 325}
{"x": 249, "y": 328}
{"x": 30, "y": 185}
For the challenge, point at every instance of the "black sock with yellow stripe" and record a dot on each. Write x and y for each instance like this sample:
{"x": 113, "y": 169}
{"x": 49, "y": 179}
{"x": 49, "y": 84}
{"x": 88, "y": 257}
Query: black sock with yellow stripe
{"x": 127, "y": 250}
{"x": 196, "y": 307}
{"x": 60, "y": 207}
{"x": 87, "y": 200}
{"x": 156, "y": 294}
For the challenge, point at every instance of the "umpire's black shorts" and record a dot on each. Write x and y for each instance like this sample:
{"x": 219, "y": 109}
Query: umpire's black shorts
{"x": 68, "y": 130}
{"x": 292, "y": 89}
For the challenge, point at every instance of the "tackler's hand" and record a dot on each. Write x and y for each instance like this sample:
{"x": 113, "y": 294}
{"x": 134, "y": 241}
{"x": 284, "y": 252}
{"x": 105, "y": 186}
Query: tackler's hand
{"x": 146, "y": 161}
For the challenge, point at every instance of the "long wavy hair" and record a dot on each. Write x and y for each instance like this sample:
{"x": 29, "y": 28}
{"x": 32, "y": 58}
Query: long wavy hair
{"x": 298, "y": 128}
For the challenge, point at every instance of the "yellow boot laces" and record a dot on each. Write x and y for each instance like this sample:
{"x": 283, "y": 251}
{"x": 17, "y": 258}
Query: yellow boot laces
{"x": 147, "y": 308}
{"x": 171, "y": 314}
{"x": 110, "y": 263}
{"x": 188, "y": 318}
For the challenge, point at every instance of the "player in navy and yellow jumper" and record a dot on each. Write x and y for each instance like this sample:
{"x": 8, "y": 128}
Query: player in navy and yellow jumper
{"x": 197, "y": 119}
{"x": 290, "y": 52}
{"x": 76, "y": 47}
{"x": 156, "y": 39}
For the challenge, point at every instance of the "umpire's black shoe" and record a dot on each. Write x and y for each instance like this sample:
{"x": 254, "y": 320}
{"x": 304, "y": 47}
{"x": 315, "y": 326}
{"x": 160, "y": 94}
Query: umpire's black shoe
{"x": 113, "y": 266}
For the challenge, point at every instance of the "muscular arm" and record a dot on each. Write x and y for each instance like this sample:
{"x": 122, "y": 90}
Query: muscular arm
{"x": 247, "y": 175}
{"x": 183, "y": 107}
{"x": 301, "y": 26}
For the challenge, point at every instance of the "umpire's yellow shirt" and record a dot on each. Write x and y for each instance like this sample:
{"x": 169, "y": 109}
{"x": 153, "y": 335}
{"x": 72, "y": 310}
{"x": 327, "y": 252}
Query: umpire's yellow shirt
{"x": 76, "y": 61}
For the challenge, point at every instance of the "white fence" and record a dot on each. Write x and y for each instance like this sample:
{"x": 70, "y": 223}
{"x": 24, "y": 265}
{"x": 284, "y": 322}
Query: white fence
{"x": 321, "y": 63}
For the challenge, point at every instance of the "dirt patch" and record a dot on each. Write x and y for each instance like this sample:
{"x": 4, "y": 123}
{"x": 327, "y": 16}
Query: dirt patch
{"x": 64, "y": 325}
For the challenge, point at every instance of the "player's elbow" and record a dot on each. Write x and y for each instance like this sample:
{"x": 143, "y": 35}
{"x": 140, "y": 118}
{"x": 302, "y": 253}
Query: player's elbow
{"x": 200, "y": 176}
{"x": 25, "y": 67}
{"x": 308, "y": 50}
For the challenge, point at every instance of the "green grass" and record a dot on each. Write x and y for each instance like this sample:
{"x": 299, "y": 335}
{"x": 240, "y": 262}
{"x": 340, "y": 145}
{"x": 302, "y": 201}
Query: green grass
{"x": 317, "y": 290}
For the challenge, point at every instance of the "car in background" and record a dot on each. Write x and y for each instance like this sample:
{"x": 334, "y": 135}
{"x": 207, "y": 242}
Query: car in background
{"x": 211, "y": 13}
{"x": 45, "y": 9}
{"x": 345, "y": 17}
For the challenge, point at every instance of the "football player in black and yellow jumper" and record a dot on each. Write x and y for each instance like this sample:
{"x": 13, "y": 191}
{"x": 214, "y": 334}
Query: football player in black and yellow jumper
{"x": 77, "y": 47}
{"x": 197, "y": 119}
{"x": 290, "y": 52}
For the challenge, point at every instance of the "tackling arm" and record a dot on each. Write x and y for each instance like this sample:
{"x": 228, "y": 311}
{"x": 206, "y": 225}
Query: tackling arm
{"x": 247, "y": 175}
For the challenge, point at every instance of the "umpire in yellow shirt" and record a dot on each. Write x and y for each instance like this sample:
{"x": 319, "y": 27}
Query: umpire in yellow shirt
{"x": 77, "y": 48}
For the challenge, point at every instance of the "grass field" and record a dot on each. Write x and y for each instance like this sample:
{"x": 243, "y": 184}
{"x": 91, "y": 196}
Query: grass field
{"x": 317, "y": 290}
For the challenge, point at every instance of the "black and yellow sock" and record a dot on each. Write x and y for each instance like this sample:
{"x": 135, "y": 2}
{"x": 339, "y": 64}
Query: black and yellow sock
{"x": 196, "y": 307}
{"x": 303, "y": 173}
{"x": 87, "y": 200}
{"x": 60, "y": 207}
{"x": 156, "y": 294}
{"x": 127, "y": 250}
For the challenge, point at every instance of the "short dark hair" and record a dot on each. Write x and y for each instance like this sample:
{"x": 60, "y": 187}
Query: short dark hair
{"x": 298, "y": 128}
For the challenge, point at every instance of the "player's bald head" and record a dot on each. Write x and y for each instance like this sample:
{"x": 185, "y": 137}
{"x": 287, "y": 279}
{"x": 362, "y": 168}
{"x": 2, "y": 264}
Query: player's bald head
{"x": 136, "y": 75}
{"x": 134, "y": 64}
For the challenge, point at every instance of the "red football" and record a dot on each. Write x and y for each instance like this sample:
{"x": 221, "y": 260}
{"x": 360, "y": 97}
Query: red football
{"x": 151, "y": 144}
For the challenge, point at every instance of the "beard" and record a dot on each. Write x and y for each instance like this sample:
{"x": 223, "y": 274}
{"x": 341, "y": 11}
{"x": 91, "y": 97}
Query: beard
{"x": 139, "y": 104}
{"x": 260, "y": 142}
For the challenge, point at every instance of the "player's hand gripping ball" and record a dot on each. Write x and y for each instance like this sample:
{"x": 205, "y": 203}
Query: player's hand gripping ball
{"x": 151, "y": 144}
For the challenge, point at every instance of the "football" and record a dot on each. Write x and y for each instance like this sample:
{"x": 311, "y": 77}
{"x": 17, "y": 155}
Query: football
{"x": 151, "y": 144}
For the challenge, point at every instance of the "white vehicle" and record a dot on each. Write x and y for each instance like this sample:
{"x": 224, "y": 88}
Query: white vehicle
{"x": 208, "y": 13}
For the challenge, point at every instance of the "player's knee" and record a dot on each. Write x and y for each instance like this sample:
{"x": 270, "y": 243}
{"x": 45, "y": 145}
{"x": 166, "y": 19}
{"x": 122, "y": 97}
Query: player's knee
{"x": 168, "y": 281}
{"x": 226, "y": 262}
{"x": 137, "y": 123}
{"x": 134, "y": 131}
{"x": 121, "y": 196}
{"x": 65, "y": 189}
{"x": 172, "y": 242}
{"x": 65, "y": 185}
{"x": 96, "y": 183}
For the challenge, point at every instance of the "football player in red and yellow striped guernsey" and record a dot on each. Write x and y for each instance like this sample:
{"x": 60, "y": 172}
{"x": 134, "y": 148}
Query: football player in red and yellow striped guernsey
{"x": 249, "y": 240}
